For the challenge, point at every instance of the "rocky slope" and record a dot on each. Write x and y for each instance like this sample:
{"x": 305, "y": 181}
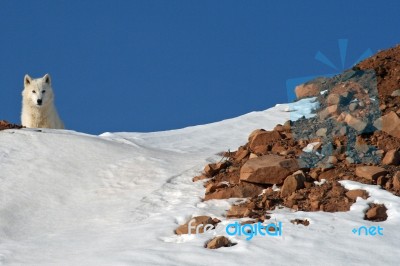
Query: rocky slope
{"x": 354, "y": 135}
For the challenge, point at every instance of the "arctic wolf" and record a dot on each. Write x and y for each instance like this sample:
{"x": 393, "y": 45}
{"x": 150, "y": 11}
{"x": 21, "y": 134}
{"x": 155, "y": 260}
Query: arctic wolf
{"x": 38, "y": 108}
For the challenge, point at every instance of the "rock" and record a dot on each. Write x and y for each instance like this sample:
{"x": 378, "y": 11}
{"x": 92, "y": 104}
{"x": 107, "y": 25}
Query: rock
{"x": 241, "y": 154}
{"x": 253, "y": 155}
{"x": 361, "y": 145}
{"x": 225, "y": 193}
{"x": 370, "y": 172}
{"x": 199, "y": 177}
{"x": 392, "y": 157}
{"x": 329, "y": 111}
{"x": 218, "y": 242}
{"x": 334, "y": 99}
{"x": 199, "y": 220}
{"x": 304, "y": 222}
{"x": 279, "y": 128}
{"x": 391, "y": 124}
{"x": 237, "y": 211}
{"x": 355, "y": 123}
{"x": 268, "y": 169}
{"x": 212, "y": 187}
{"x": 321, "y": 132}
{"x": 263, "y": 138}
{"x": 353, "y": 107}
{"x": 353, "y": 194}
{"x": 378, "y": 123}
{"x": 396, "y": 180}
{"x": 307, "y": 90}
{"x": 293, "y": 183}
{"x": 332, "y": 160}
{"x": 395, "y": 93}
{"x": 376, "y": 213}
{"x": 214, "y": 168}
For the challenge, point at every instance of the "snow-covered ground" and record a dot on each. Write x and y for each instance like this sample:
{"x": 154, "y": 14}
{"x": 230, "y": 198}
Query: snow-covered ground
{"x": 68, "y": 198}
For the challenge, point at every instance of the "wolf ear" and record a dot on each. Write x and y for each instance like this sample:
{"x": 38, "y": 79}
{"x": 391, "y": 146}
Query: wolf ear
{"x": 47, "y": 79}
{"x": 27, "y": 80}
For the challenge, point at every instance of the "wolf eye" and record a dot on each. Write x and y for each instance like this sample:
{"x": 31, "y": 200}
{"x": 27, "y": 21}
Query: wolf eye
{"x": 34, "y": 91}
{"x": 43, "y": 91}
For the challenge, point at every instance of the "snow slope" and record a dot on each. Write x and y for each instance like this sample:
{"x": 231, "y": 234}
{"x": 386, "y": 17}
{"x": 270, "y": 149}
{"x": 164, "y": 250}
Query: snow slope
{"x": 68, "y": 198}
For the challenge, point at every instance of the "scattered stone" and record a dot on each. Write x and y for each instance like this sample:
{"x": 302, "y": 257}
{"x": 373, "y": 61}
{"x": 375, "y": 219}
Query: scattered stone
{"x": 391, "y": 124}
{"x": 355, "y": 123}
{"x": 392, "y": 157}
{"x": 196, "y": 221}
{"x": 214, "y": 168}
{"x": 395, "y": 93}
{"x": 321, "y": 132}
{"x": 263, "y": 138}
{"x": 199, "y": 177}
{"x": 396, "y": 181}
{"x": 237, "y": 211}
{"x": 353, "y": 194}
{"x": 370, "y": 172}
{"x": 293, "y": 183}
{"x": 218, "y": 242}
{"x": 307, "y": 90}
{"x": 241, "y": 154}
{"x": 304, "y": 222}
{"x": 376, "y": 213}
{"x": 268, "y": 169}
{"x": 6, "y": 125}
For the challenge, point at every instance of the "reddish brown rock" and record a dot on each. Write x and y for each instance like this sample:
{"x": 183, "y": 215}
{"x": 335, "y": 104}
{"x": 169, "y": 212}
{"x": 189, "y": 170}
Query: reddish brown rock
{"x": 218, "y": 242}
{"x": 370, "y": 172}
{"x": 6, "y": 125}
{"x": 307, "y": 90}
{"x": 355, "y": 123}
{"x": 376, "y": 213}
{"x": 396, "y": 180}
{"x": 196, "y": 221}
{"x": 391, "y": 124}
{"x": 263, "y": 138}
{"x": 199, "y": 177}
{"x": 304, "y": 222}
{"x": 293, "y": 183}
{"x": 225, "y": 193}
{"x": 237, "y": 211}
{"x": 268, "y": 169}
{"x": 392, "y": 157}
{"x": 214, "y": 168}
{"x": 353, "y": 194}
{"x": 241, "y": 154}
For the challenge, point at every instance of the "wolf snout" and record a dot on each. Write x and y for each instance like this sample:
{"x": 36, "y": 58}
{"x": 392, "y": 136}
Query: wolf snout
{"x": 39, "y": 101}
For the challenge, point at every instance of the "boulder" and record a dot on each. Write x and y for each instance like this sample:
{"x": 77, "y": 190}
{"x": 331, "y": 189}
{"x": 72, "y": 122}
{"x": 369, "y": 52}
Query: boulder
{"x": 268, "y": 169}
{"x": 376, "y": 213}
{"x": 391, "y": 124}
{"x": 370, "y": 172}
{"x": 392, "y": 157}
{"x": 218, "y": 242}
{"x": 263, "y": 138}
{"x": 396, "y": 180}
{"x": 355, "y": 123}
{"x": 293, "y": 183}
{"x": 307, "y": 90}
{"x": 355, "y": 193}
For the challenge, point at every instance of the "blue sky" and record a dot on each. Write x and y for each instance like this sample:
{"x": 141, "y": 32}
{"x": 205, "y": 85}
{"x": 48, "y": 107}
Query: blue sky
{"x": 156, "y": 65}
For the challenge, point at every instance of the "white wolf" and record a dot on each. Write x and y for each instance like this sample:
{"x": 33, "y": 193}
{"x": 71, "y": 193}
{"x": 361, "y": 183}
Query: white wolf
{"x": 38, "y": 108}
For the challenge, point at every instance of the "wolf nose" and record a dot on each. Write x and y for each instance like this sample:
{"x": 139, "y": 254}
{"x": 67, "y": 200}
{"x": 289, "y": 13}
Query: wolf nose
{"x": 39, "y": 101}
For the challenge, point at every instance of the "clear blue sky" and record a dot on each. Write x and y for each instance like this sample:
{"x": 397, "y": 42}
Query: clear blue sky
{"x": 155, "y": 65}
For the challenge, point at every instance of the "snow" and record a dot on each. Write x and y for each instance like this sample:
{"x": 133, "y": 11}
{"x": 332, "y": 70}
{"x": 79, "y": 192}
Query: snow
{"x": 68, "y": 198}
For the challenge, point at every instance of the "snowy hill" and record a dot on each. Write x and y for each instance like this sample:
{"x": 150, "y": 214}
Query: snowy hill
{"x": 68, "y": 198}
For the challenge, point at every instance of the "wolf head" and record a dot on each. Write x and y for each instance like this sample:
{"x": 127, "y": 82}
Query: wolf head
{"x": 38, "y": 92}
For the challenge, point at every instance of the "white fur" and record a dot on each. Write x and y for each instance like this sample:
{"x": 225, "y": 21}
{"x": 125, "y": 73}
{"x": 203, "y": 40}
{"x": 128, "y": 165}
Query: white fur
{"x": 35, "y": 115}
